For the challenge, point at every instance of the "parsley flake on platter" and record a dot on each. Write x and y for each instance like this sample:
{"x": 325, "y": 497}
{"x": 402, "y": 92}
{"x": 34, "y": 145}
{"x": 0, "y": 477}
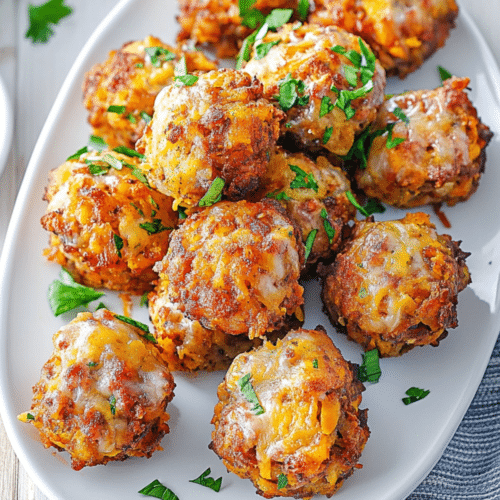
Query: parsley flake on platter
{"x": 157, "y": 490}
{"x": 42, "y": 17}
{"x": 209, "y": 482}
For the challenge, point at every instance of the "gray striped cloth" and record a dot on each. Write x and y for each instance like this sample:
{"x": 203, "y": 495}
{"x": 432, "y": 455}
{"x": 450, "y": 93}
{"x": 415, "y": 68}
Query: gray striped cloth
{"x": 470, "y": 466}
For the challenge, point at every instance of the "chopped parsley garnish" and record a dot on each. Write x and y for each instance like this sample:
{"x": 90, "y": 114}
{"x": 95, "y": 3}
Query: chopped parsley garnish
{"x": 97, "y": 143}
{"x": 147, "y": 118}
{"x": 187, "y": 80}
{"x": 209, "y": 482}
{"x": 249, "y": 393}
{"x": 138, "y": 324}
{"x": 118, "y": 244}
{"x": 77, "y": 155}
{"x": 263, "y": 49}
{"x": 278, "y": 17}
{"x": 182, "y": 212}
{"x": 101, "y": 305}
{"x": 371, "y": 207}
{"x": 131, "y": 118}
{"x": 363, "y": 292}
{"x": 444, "y": 74}
{"x": 96, "y": 169}
{"x": 330, "y": 231}
{"x": 181, "y": 73}
{"x": 29, "y": 416}
{"x": 112, "y": 161}
{"x": 144, "y": 299}
{"x": 155, "y": 227}
{"x": 315, "y": 363}
{"x": 91, "y": 364}
{"x": 128, "y": 152}
{"x": 159, "y": 55}
{"x": 291, "y": 93}
{"x": 392, "y": 142}
{"x": 345, "y": 98}
{"x": 117, "y": 109}
{"x": 398, "y": 113}
{"x": 327, "y": 134}
{"x": 303, "y": 179}
{"x": 282, "y": 481}
{"x": 309, "y": 243}
{"x": 369, "y": 370}
{"x": 414, "y": 394}
{"x": 214, "y": 193}
{"x": 303, "y": 9}
{"x": 66, "y": 294}
{"x": 157, "y": 490}
{"x": 326, "y": 106}
{"x": 139, "y": 211}
{"x": 112, "y": 404}
{"x": 278, "y": 195}
{"x": 43, "y": 16}
{"x": 139, "y": 65}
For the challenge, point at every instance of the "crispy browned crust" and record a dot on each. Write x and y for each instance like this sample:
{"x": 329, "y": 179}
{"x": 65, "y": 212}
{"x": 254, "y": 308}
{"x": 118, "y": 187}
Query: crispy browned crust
{"x": 306, "y": 54}
{"x": 88, "y": 214}
{"x": 128, "y": 78}
{"x": 72, "y": 406}
{"x": 221, "y": 126}
{"x": 234, "y": 267}
{"x": 311, "y": 430}
{"x": 395, "y": 285}
{"x": 217, "y": 22}
{"x": 402, "y": 34}
{"x": 443, "y": 153}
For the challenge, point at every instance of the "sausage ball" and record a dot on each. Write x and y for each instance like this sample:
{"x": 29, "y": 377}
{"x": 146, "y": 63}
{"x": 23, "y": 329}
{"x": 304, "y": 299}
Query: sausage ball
{"x": 233, "y": 267}
{"x": 395, "y": 284}
{"x": 220, "y": 126}
{"x": 186, "y": 345}
{"x": 402, "y": 34}
{"x": 302, "y": 62}
{"x": 102, "y": 395}
{"x": 218, "y": 22}
{"x": 441, "y": 155}
{"x": 108, "y": 228}
{"x": 288, "y": 417}
{"x": 314, "y": 195}
{"x": 120, "y": 93}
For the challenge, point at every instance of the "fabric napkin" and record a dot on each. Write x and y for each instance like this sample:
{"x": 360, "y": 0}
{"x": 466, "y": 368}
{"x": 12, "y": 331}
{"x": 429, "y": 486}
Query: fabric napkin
{"x": 470, "y": 466}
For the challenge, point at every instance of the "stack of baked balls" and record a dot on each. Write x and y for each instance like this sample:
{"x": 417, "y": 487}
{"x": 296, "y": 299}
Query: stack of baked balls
{"x": 240, "y": 185}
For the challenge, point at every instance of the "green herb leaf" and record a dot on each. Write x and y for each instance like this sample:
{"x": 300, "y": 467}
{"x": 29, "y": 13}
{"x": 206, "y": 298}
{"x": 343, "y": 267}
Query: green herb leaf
{"x": 66, "y": 294}
{"x": 393, "y": 142}
{"x": 29, "y": 416}
{"x": 371, "y": 207}
{"x": 42, "y": 17}
{"x": 128, "y": 152}
{"x": 444, "y": 74}
{"x": 144, "y": 300}
{"x": 315, "y": 363}
{"x": 398, "y": 113}
{"x": 77, "y": 155}
{"x": 363, "y": 293}
{"x": 327, "y": 134}
{"x": 414, "y": 394}
{"x": 158, "y": 55}
{"x": 303, "y": 9}
{"x": 303, "y": 179}
{"x": 330, "y": 231}
{"x": 326, "y": 106}
{"x": 101, "y": 305}
{"x": 369, "y": 370}
{"x": 112, "y": 404}
{"x": 182, "y": 212}
{"x": 249, "y": 393}
{"x": 309, "y": 243}
{"x": 147, "y": 118}
{"x": 187, "y": 80}
{"x": 139, "y": 65}
{"x": 157, "y": 490}
{"x": 246, "y": 50}
{"x": 278, "y": 17}
{"x": 155, "y": 227}
{"x": 209, "y": 482}
{"x": 351, "y": 75}
{"x": 97, "y": 168}
{"x": 97, "y": 143}
{"x": 282, "y": 481}
{"x": 214, "y": 193}
{"x": 253, "y": 19}
{"x": 91, "y": 364}
{"x": 290, "y": 90}
{"x": 277, "y": 195}
{"x": 352, "y": 55}
{"x": 118, "y": 244}
{"x": 117, "y": 109}
{"x": 345, "y": 97}
{"x": 263, "y": 49}
{"x": 138, "y": 324}
{"x": 368, "y": 68}
{"x": 112, "y": 161}
{"x": 245, "y": 6}
{"x": 131, "y": 118}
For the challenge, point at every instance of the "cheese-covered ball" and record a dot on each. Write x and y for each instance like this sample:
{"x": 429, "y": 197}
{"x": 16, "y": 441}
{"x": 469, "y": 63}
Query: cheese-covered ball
{"x": 102, "y": 395}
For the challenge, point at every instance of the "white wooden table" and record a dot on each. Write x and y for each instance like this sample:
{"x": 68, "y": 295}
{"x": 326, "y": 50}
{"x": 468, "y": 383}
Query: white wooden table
{"x": 34, "y": 74}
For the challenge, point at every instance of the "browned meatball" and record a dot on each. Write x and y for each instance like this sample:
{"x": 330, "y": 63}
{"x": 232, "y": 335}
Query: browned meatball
{"x": 442, "y": 153}
{"x": 103, "y": 393}
{"x": 218, "y": 22}
{"x": 306, "y": 56}
{"x": 129, "y": 81}
{"x": 314, "y": 195}
{"x": 395, "y": 284}
{"x": 288, "y": 417}
{"x": 234, "y": 268}
{"x": 402, "y": 34}
{"x": 221, "y": 126}
{"x": 108, "y": 227}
